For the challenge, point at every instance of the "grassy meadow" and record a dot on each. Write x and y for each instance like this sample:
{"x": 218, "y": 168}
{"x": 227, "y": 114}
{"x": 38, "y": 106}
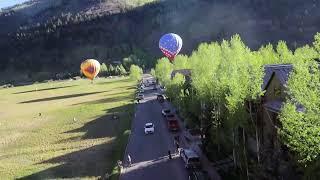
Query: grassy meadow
{"x": 64, "y": 129}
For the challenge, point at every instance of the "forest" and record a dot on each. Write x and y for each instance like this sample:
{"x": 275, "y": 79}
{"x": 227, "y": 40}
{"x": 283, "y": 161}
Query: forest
{"x": 56, "y": 37}
{"x": 225, "y": 88}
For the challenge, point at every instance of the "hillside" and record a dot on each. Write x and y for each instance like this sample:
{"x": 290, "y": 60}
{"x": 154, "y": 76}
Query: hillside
{"x": 56, "y": 35}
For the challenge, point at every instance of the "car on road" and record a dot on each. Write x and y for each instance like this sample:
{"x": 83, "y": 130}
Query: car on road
{"x": 190, "y": 158}
{"x": 196, "y": 174}
{"x": 140, "y": 97}
{"x": 172, "y": 122}
{"x": 160, "y": 98}
{"x": 165, "y": 112}
{"x": 149, "y": 128}
{"x": 154, "y": 87}
{"x": 141, "y": 90}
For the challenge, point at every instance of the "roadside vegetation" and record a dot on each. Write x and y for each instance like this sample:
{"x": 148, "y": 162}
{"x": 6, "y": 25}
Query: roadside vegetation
{"x": 135, "y": 72}
{"x": 65, "y": 129}
{"x": 225, "y": 76}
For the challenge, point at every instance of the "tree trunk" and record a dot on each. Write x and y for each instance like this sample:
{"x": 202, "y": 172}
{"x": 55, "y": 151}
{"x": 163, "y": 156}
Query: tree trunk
{"x": 233, "y": 148}
{"x": 256, "y": 129}
{"x": 218, "y": 127}
{"x": 244, "y": 153}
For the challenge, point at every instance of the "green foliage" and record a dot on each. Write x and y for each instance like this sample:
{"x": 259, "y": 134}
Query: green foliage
{"x": 284, "y": 52}
{"x": 269, "y": 56}
{"x": 103, "y": 70}
{"x": 122, "y": 70}
{"x": 153, "y": 72}
{"x": 135, "y": 72}
{"x": 163, "y": 71}
{"x": 300, "y": 116}
{"x": 225, "y": 75}
{"x": 111, "y": 70}
{"x": 127, "y": 62}
{"x": 181, "y": 62}
{"x": 316, "y": 42}
{"x": 117, "y": 70}
{"x": 305, "y": 53}
{"x": 174, "y": 89}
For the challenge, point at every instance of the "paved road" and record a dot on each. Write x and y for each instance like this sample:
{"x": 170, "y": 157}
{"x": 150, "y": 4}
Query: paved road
{"x": 149, "y": 153}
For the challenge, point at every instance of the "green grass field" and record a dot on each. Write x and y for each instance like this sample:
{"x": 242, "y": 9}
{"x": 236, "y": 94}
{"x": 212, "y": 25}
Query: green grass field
{"x": 74, "y": 137}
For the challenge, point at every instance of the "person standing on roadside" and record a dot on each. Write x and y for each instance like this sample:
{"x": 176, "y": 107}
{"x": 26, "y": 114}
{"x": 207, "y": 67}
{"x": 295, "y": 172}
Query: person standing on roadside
{"x": 169, "y": 154}
{"x": 129, "y": 160}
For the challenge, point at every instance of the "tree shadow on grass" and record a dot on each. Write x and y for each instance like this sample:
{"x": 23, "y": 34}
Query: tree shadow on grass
{"x": 115, "y": 80}
{"x": 96, "y": 160}
{"x": 62, "y": 97}
{"x": 91, "y": 161}
{"x": 104, "y": 126}
{"x": 108, "y": 100}
{"x": 46, "y": 89}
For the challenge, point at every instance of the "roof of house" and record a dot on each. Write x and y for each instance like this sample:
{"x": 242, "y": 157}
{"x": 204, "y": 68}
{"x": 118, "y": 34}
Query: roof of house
{"x": 281, "y": 71}
{"x": 274, "y": 106}
{"x": 185, "y": 72}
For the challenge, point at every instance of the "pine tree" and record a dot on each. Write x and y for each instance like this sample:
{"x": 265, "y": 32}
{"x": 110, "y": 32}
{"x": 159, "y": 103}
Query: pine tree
{"x": 111, "y": 70}
{"x": 122, "y": 70}
{"x": 103, "y": 70}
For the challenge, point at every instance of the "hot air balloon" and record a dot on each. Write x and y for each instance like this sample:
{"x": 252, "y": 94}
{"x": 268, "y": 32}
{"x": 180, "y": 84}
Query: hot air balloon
{"x": 170, "y": 44}
{"x": 90, "y": 68}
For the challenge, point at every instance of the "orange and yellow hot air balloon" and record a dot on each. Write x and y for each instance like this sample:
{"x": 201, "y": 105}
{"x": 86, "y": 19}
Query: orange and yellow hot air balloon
{"x": 90, "y": 68}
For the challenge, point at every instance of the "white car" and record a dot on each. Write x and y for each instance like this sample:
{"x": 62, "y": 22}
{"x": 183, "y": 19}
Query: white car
{"x": 164, "y": 112}
{"x": 149, "y": 128}
{"x": 141, "y": 90}
{"x": 190, "y": 158}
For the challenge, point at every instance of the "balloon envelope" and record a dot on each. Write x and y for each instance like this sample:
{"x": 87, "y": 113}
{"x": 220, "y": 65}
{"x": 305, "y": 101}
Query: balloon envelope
{"x": 170, "y": 44}
{"x": 90, "y": 68}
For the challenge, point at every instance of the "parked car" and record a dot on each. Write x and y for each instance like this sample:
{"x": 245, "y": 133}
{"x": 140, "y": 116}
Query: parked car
{"x": 149, "y": 128}
{"x": 196, "y": 174}
{"x": 154, "y": 87}
{"x": 190, "y": 158}
{"x": 172, "y": 122}
{"x": 165, "y": 112}
{"x": 140, "y": 97}
{"x": 160, "y": 98}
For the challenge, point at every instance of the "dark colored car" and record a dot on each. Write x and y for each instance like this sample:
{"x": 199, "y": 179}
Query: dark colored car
{"x": 160, "y": 98}
{"x": 165, "y": 112}
{"x": 198, "y": 175}
{"x": 172, "y": 122}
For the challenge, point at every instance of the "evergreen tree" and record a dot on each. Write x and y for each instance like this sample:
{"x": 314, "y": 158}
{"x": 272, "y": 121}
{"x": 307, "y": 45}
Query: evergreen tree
{"x": 122, "y": 70}
{"x": 103, "y": 70}
{"x": 117, "y": 70}
{"x": 135, "y": 72}
{"x": 111, "y": 70}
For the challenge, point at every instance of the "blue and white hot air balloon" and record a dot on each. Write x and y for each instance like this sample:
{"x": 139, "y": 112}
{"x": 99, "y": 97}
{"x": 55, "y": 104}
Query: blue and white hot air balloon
{"x": 170, "y": 44}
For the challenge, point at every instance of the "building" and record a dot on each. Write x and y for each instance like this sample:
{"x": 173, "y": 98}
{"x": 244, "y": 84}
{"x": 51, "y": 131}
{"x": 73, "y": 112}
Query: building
{"x": 185, "y": 72}
{"x": 273, "y": 155}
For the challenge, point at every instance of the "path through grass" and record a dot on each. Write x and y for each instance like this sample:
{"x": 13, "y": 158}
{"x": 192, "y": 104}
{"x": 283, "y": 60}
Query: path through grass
{"x": 73, "y": 137}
